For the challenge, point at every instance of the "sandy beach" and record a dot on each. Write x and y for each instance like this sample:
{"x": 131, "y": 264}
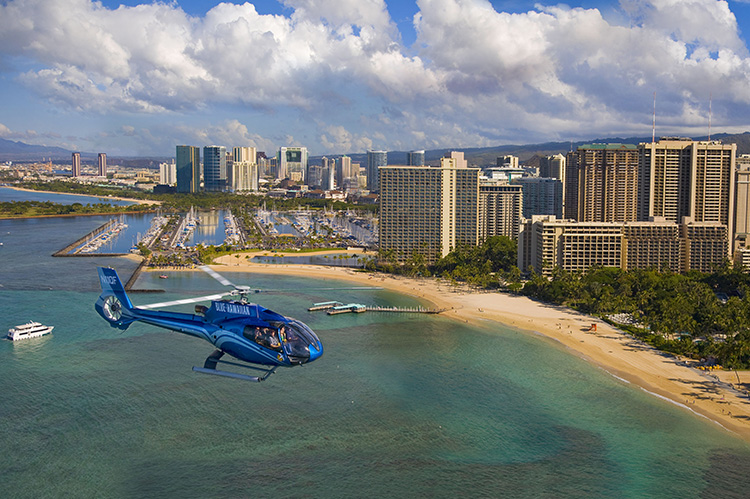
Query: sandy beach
{"x": 137, "y": 201}
{"x": 720, "y": 396}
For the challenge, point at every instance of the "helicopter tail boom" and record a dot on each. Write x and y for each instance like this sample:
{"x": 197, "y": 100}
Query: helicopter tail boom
{"x": 113, "y": 304}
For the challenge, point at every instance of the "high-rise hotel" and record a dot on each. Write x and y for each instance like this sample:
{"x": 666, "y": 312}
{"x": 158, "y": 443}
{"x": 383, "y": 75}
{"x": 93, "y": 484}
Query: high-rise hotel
{"x": 666, "y": 203}
{"x": 215, "y": 168}
{"x": 75, "y": 167}
{"x": 102, "y": 164}
{"x": 428, "y": 211}
{"x": 188, "y": 162}
{"x": 244, "y": 170}
{"x": 601, "y": 183}
{"x": 684, "y": 178}
{"x": 375, "y": 160}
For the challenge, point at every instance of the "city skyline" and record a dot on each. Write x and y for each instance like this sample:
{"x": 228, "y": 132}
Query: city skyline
{"x": 347, "y": 77}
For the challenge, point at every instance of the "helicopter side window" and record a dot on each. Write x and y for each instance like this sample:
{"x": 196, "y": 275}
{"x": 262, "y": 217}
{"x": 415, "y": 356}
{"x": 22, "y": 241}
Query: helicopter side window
{"x": 264, "y": 336}
{"x": 250, "y": 332}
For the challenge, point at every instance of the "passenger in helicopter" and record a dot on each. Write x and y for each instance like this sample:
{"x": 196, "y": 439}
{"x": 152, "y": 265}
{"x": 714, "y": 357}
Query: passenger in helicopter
{"x": 273, "y": 340}
{"x": 259, "y": 336}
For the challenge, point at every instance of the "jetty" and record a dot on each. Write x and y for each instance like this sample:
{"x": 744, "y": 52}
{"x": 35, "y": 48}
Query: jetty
{"x": 110, "y": 233}
{"x": 75, "y": 248}
{"x": 335, "y": 308}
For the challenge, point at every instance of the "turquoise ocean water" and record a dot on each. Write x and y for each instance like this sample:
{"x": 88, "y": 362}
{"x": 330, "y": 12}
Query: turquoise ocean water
{"x": 398, "y": 406}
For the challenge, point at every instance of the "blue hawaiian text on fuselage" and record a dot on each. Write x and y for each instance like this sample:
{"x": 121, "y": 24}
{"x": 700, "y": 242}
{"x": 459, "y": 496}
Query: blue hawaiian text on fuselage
{"x": 234, "y": 308}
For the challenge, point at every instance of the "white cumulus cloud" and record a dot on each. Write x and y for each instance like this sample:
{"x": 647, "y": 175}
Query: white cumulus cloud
{"x": 337, "y": 72}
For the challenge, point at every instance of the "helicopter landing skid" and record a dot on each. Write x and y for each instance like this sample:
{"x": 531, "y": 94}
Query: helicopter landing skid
{"x": 209, "y": 367}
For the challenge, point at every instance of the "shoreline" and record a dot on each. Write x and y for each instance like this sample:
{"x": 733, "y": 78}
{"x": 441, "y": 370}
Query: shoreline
{"x": 712, "y": 395}
{"x": 117, "y": 198}
{"x": 112, "y": 213}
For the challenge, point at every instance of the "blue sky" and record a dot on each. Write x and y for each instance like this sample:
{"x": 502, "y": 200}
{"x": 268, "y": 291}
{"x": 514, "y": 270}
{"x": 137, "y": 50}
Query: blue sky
{"x": 342, "y": 76}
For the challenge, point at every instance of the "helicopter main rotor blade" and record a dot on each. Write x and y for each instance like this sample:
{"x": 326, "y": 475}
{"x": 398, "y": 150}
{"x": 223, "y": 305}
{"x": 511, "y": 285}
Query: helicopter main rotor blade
{"x": 246, "y": 289}
{"x": 287, "y": 290}
{"x": 183, "y": 301}
{"x": 217, "y": 276}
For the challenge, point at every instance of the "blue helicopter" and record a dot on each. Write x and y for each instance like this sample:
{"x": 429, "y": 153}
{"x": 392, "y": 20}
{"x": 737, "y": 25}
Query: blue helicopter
{"x": 250, "y": 333}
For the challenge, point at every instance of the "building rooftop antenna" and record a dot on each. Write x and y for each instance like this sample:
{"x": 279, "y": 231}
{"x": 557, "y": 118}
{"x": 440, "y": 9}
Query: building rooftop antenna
{"x": 710, "y": 99}
{"x": 653, "y": 122}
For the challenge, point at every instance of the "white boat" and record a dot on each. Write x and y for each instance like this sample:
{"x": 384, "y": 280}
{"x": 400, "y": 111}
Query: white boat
{"x": 29, "y": 330}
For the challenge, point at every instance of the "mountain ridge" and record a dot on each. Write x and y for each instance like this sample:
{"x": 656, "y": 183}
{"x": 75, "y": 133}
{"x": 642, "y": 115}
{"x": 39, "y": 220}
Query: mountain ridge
{"x": 480, "y": 156}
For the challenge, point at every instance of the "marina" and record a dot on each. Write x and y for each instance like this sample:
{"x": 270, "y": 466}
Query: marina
{"x": 185, "y": 230}
{"x": 232, "y": 231}
{"x": 110, "y": 231}
{"x": 154, "y": 232}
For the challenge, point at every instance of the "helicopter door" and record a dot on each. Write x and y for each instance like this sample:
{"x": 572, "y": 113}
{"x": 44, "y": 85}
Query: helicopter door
{"x": 263, "y": 336}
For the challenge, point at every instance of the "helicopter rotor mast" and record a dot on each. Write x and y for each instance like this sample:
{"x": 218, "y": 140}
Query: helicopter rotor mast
{"x": 241, "y": 291}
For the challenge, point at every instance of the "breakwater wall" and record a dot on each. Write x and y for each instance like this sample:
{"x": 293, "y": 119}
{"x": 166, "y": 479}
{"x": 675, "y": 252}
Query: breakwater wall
{"x": 66, "y": 251}
{"x": 134, "y": 278}
{"x": 136, "y": 273}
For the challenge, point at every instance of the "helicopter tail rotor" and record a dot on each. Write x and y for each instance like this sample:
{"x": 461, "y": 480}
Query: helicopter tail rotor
{"x": 113, "y": 304}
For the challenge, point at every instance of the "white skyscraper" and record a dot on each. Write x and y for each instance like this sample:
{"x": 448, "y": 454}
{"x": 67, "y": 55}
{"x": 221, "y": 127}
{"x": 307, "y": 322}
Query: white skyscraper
{"x": 168, "y": 173}
{"x": 248, "y": 154}
{"x": 244, "y": 176}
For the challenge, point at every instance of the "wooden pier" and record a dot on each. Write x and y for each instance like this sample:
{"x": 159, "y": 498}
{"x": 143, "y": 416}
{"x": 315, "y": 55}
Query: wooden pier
{"x": 324, "y": 305}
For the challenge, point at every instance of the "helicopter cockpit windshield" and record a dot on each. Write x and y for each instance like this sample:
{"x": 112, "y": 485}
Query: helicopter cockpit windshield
{"x": 294, "y": 337}
{"x": 298, "y": 339}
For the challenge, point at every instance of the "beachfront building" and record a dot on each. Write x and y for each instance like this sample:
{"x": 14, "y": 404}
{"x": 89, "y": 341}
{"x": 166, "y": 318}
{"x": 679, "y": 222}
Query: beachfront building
{"x": 188, "y": 161}
{"x": 75, "y": 167}
{"x": 601, "y": 183}
{"x": 704, "y": 245}
{"x": 741, "y": 248}
{"x": 427, "y": 211}
{"x": 292, "y": 164}
{"x": 215, "y": 168}
{"x": 686, "y": 178}
{"x": 375, "y": 161}
{"x": 652, "y": 245}
{"x": 500, "y": 206}
{"x": 102, "y": 164}
{"x": 545, "y": 243}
